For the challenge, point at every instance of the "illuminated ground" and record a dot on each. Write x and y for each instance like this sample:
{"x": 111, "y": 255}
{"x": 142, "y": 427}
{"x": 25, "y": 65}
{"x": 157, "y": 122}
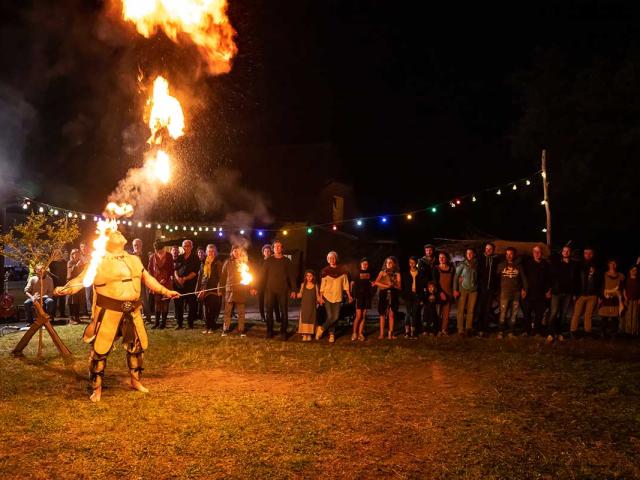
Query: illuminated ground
{"x": 248, "y": 408}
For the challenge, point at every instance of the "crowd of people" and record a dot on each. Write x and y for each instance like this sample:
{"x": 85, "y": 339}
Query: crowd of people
{"x": 507, "y": 295}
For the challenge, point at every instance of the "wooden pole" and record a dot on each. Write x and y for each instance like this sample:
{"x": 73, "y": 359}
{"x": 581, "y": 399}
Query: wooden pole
{"x": 547, "y": 207}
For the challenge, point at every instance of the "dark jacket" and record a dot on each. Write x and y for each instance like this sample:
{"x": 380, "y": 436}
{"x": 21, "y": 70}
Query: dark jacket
{"x": 538, "y": 276}
{"x": 407, "y": 282}
{"x": 230, "y": 278}
{"x": 213, "y": 280}
{"x": 426, "y": 266}
{"x": 563, "y": 277}
{"x": 488, "y": 280}
{"x": 589, "y": 279}
{"x": 512, "y": 277}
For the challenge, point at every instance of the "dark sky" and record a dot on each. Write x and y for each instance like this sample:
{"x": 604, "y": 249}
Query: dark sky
{"x": 408, "y": 105}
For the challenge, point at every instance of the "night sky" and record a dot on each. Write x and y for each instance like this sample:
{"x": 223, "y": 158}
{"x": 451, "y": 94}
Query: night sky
{"x": 408, "y": 106}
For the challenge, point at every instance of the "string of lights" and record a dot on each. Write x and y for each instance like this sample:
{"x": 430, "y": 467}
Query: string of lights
{"x": 220, "y": 230}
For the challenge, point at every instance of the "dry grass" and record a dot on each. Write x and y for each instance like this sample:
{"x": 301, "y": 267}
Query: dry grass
{"x": 232, "y": 408}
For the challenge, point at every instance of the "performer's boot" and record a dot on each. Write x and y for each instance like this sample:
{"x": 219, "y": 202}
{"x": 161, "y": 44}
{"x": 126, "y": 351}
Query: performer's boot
{"x": 134, "y": 361}
{"x": 97, "y": 365}
{"x": 163, "y": 323}
{"x": 157, "y": 324}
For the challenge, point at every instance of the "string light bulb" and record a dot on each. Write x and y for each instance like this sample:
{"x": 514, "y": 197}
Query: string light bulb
{"x": 434, "y": 209}
{"x": 359, "y": 223}
{"x": 309, "y": 230}
{"x": 474, "y": 199}
{"x": 527, "y": 183}
{"x": 515, "y": 187}
{"x": 285, "y": 232}
{"x": 41, "y": 210}
{"x": 241, "y": 232}
{"x": 334, "y": 228}
{"x": 409, "y": 216}
{"x": 499, "y": 192}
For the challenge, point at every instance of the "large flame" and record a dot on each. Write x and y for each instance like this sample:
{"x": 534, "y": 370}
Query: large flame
{"x": 104, "y": 227}
{"x": 203, "y": 22}
{"x": 99, "y": 249}
{"x": 166, "y": 112}
{"x": 160, "y": 167}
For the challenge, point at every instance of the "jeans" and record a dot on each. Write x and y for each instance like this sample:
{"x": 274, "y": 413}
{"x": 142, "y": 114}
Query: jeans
{"x": 509, "y": 299}
{"x": 413, "y": 314}
{"x": 484, "y": 310}
{"x": 586, "y": 304}
{"x": 560, "y": 303}
{"x": 48, "y": 303}
{"x": 192, "y": 303}
{"x": 467, "y": 301}
{"x": 240, "y": 310}
{"x": 534, "y": 309}
{"x": 212, "y": 306}
{"x": 262, "y": 301}
{"x": 277, "y": 302}
{"x": 333, "y": 315}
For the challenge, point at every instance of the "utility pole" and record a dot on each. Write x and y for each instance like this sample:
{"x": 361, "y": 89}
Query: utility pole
{"x": 547, "y": 207}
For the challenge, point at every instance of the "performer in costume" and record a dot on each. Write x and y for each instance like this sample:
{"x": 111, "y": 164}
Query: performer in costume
{"x": 117, "y": 310}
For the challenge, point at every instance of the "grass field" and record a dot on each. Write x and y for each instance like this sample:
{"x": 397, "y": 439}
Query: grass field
{"x": 252, "y": 408}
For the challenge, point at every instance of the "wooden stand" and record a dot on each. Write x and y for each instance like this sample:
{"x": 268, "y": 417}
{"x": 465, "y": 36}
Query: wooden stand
{"x": 547, "y": 207}
{"x": 42, "y": 320}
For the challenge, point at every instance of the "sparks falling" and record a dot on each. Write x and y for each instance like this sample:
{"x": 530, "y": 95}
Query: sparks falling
{"x": 204, "y": 23}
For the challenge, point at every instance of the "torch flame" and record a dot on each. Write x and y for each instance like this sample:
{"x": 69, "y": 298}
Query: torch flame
{"x": 166, "y": 112}
{"x": 245, "y": 274}
{"x": 204, "y": 22}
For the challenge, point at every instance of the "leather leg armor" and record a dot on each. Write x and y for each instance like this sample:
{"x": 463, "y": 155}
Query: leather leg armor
{"x": 97, "y": 365}
{"x": 134, "y": 362}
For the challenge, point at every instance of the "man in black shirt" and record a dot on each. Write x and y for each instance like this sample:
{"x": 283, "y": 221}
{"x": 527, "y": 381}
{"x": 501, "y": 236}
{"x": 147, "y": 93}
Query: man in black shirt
{"x": 278, "y": 281}
{"x": 488, "y": 285}
{"x": 537, "y": 292}
{"x": 563, "y": 288}
{"x": 185, "y": 277}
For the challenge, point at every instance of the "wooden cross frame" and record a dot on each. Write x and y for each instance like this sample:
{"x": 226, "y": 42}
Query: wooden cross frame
{"x": 42, "y": 320}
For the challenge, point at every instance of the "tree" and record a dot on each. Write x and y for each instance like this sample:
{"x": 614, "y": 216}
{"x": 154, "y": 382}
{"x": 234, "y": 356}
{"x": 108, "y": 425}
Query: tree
{"x": 36, "y": 243}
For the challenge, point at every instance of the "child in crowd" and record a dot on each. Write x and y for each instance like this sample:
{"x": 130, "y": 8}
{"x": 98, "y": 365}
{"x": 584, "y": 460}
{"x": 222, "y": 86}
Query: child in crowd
{"x": 432, "y": 304}
{"x": 310, "y": 299}
{"x": 362, "y": 292}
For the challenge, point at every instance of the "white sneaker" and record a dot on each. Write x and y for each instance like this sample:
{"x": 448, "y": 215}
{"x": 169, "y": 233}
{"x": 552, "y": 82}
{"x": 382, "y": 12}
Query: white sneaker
{"x": 242, "y": 335}
{"x": 224, "y": 333}
{"x": 319, "y": 333}
{"x": 354, "y": 337}
{"x": 560, "y": 338}
{"x": 332, "y": 338}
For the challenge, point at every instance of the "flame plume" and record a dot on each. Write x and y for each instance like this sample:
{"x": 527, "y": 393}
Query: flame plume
{"x": 165, "y": 113}
{"x": 202, "y": 22}
{"x": 104, "y": 227}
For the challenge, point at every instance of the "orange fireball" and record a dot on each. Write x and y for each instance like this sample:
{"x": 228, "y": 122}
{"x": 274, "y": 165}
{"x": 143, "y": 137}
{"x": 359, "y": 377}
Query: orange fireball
{"x": 202, "y": 22}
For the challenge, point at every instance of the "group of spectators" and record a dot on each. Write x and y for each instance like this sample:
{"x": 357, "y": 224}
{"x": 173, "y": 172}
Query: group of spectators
{"x": 488, "y": 291}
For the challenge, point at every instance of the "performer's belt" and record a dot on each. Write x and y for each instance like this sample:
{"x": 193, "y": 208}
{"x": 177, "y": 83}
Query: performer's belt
{"x": 125, "y": 306}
